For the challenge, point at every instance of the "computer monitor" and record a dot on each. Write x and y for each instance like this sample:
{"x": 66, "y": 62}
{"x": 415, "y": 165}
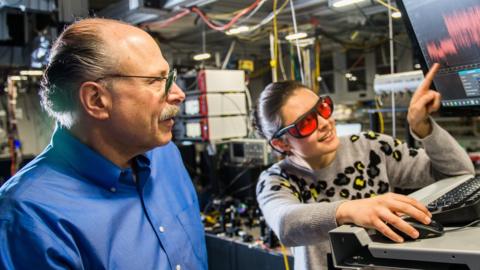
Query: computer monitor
{"x": 448, "y": 32}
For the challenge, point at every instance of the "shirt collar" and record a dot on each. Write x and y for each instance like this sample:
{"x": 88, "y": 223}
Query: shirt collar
{"x": 89, "y": 163}
{"x": 143, "y": 161}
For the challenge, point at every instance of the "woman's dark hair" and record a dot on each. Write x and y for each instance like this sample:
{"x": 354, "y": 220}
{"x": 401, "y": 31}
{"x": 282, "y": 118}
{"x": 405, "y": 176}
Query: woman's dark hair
{"x": 78, "y": 55}
{"x": 266, "y": 115}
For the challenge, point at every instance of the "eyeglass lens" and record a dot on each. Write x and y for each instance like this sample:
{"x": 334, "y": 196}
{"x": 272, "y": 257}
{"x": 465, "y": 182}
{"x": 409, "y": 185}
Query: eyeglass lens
{"x": 307, "y": 125}
{"x": 172, "y": 77}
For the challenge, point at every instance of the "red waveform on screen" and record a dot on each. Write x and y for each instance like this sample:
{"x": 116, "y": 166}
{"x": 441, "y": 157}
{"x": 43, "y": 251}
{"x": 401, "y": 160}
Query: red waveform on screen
{"x": 464, "y": 32}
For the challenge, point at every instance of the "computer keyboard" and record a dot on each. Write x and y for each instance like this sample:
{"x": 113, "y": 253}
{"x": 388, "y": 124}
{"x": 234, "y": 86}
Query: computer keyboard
{"x": 458, "y": 206}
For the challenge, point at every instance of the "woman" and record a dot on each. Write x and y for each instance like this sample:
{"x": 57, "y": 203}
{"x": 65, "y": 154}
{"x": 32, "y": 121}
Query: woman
{"x": 325, "y": 181}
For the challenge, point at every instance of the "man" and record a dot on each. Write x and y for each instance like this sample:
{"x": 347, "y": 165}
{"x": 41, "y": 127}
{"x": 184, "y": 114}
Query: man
{"x": 110, "y": 191}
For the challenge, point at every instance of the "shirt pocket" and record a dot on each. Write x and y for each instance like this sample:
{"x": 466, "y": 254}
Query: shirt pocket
{"x": 192, "y": 225}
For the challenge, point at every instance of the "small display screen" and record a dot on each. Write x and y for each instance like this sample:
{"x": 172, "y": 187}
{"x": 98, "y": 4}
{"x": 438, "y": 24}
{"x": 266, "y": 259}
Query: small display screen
{"x": 238, "y": 150}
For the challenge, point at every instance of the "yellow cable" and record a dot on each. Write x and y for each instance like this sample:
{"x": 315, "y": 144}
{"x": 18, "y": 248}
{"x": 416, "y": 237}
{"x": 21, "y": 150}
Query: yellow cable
{"x": 275, "y": 36}
{"x": 381, "y": 2}
{"x": 283, "y": 6}
{"x": 380, "y": 115}
{"x": 255, "y": 27}
{"x": 285, "y": 258}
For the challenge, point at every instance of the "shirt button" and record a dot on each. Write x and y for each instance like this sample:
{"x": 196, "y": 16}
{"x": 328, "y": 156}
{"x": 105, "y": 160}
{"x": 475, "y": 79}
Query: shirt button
{"x": 178, "y": 267}
{"x": 112, "y": 189}
{"x": 162, "y": 229}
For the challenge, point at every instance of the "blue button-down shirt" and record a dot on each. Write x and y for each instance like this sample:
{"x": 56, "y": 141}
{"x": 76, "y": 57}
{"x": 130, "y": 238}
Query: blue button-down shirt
{"x": 72, "y": 208}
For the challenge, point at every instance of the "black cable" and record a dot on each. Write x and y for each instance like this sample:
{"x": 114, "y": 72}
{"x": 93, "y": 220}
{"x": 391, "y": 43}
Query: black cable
{"x": 243, "y": 188}
{"x": 237, "y": 177}
{"x": 465, "y": 226}
{"x": 192, "y": 85}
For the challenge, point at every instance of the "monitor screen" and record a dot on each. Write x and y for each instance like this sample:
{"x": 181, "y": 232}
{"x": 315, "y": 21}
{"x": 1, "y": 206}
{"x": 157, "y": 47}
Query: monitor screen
{"x": 238, "y": 150}
{"x": 448, "y": 32}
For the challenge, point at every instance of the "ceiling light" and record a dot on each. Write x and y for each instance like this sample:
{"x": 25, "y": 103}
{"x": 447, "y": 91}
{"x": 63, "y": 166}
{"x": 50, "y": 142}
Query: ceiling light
{"x": 348, "y": 75}
{"x": 238, "y": 30}
{"x": 396, "y": 15}
{"x": 18, "y": 78}
{"x": 343, "y": 3}
{"x": 295, "y": 36}
{"x": 201, "y": 56}
{"x": 304, "y": 42}
{"x": 31, "y": 72}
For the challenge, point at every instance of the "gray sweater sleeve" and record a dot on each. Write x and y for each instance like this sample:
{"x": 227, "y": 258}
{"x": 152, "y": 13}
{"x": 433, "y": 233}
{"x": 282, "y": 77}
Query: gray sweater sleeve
{"x": 440, "y": 157}
{"x": 295, "y": 223}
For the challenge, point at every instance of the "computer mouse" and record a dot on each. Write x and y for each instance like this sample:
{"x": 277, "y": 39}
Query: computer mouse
{"x": 434, "y": 229}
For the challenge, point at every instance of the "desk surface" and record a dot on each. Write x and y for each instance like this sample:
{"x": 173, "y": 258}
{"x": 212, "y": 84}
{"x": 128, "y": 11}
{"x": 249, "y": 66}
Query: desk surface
{"x": 457, "y": 247}
{"x": 453, "y": 247}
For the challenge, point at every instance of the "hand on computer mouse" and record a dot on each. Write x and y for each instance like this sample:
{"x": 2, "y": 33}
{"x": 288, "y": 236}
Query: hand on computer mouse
{"x": 380, "y": 213}
{"x": 433, "y": 229}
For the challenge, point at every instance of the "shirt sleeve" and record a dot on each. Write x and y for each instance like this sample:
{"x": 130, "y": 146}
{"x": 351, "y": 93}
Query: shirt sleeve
{"x": 26, "y": 244}
{"x": 440, "y": 157}
{"x": 295, "y": 223}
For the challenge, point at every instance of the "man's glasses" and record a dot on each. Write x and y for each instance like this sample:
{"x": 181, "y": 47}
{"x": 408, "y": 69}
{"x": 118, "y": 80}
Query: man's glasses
{"x": 170, "y": 78}
{"x": 306, "y": 124}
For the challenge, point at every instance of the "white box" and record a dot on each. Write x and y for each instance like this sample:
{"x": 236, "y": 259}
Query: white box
{"x": 216, "y": 104}
{"x": 216, "y": 127}
{"x": 211, "y": 80}
{"x": 398, "y": 82}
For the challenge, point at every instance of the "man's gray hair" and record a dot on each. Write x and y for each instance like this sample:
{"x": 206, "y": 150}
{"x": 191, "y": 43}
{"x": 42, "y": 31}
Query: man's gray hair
{"x": 79, "y": 54}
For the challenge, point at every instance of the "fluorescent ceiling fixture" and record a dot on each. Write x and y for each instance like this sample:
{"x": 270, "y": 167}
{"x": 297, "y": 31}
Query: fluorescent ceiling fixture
{"x": 396, "y": 15}
{"x": 201, "y": 56}
{"x": 31, "y": 72}
{"x": 18, "y": 78}
{"x": 295, "y": 36}
{"x": 303, "y": 42}
{"x": 343, "y": 3}
{"x": 238, "y": 30}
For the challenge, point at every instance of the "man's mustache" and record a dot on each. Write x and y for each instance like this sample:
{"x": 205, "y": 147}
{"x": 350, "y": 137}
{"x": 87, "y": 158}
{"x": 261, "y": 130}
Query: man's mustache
{"x": 169, "y": 112}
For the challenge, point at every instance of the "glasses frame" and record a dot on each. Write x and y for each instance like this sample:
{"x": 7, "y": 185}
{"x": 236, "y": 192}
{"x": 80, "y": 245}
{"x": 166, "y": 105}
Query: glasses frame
{"x": 170, "y": 78}
{"x": 280, "y": 132}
